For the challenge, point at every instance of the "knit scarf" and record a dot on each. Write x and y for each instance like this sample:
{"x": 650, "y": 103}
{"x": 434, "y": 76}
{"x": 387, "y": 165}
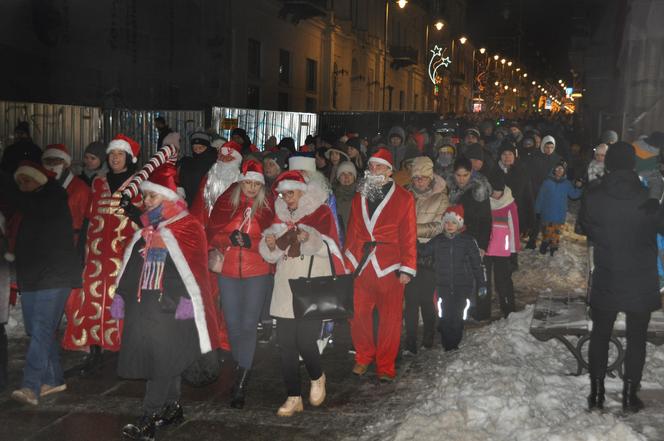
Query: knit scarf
{"x": 155, "y": 252}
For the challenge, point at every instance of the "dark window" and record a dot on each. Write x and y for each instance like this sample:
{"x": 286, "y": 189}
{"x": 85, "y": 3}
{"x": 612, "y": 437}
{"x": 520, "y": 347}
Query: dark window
{"x": 282, "y": 103}
{"x": 253, "y": 97}
{"x": 284, "y": 66}
{"x": 312, "y": 68}
{"x": 254, "y": 59}
{"x": 310, "y": 105}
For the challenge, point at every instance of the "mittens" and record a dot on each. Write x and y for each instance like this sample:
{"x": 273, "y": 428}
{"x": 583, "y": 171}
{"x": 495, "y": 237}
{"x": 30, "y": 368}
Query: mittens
{"x": 185, "y": 309}
{"x": 118, "y": 307}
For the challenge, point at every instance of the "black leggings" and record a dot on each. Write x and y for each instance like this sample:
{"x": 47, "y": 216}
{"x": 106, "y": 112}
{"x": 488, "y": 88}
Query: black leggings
{"x": 498, "y": 270}
{"x": 298, "y": 338}
{"x": 419, "y": 294}
{"x": 636, "y": 333}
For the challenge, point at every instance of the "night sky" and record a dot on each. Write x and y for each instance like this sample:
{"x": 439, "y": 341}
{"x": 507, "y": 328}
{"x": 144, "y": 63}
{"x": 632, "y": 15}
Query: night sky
{"x": 546, "y": 27}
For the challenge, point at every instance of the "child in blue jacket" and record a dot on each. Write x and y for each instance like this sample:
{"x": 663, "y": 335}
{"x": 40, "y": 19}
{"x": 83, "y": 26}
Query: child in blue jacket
{"x": 551, "y": 205}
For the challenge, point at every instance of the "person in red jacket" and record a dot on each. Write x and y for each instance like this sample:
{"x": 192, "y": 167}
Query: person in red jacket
{"x": 381, "y": 214}
{"x": 57, "y": 159}
{"x": 235, "y": 229}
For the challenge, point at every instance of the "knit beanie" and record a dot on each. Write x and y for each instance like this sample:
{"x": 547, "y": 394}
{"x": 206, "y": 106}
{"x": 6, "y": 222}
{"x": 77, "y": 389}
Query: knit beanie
{"x": 474, "y": 151}
{"x": 620, "y": 156}
{"x": 609, "y": 137}
{"x": 507, "y": 145}
{"x": 422, "y": 166}
{"x": 346, "y": 167}
{"x": 98, "y": 149}
{"x": 497, "y": 180}
{"x": 199, "y": 137}
{"x": 454, "y": 214}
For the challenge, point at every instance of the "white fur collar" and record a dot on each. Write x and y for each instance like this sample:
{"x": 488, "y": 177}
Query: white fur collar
{"x": 313, "y": 198}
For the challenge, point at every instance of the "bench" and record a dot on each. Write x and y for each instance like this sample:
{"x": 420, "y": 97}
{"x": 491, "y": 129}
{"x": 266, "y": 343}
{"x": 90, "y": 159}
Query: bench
{"x": 564, "y": 317}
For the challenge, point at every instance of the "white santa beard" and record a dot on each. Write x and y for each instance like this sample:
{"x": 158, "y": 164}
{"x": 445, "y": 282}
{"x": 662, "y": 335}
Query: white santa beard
{"x": 221, "y": 176}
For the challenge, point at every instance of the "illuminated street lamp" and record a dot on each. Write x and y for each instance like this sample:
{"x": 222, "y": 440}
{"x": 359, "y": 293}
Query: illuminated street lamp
{"x": 463, "y": 40}
{"x": 482, "y": 50}
{"x": 507, "y": 87}
{"x": 439, "y": 25}
{"x": 514, "y": 90}
{"x": 534, "y": 83}
{"x": 496, "y": 57}
{"x": 509, "y": 63}
{"x": 496, "y": 83}
{"x": 503, "y": 61}
{"x": 402, "y": 3}
{"x": 525, "y": 75}
{"x": 518, "y": 69}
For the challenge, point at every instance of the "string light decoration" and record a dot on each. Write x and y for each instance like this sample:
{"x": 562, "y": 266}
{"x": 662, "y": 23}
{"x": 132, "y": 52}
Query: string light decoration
{"x": 437, "y": 60}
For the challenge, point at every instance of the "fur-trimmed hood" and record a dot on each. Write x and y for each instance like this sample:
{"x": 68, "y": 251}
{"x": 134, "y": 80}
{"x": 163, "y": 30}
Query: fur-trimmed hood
{"x": 315, "y": 196}
{"x": 479, "y": 185}
{"x": 504, "y": 201}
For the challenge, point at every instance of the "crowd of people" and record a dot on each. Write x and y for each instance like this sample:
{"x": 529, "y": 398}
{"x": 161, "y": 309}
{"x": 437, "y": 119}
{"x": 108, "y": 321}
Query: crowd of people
{"x": 431, "y": 220}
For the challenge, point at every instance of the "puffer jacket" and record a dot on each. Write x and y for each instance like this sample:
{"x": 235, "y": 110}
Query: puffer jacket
{"x": 239, "y": 262}
{"x": 429, "y": 209}
{"x": 551, "y": 202}
{"x": 457, "y": 263}
{"x": 476, "y": 206}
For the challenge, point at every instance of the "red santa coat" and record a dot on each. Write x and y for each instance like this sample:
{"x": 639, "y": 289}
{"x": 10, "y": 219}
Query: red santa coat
{"x": 239, "y": 262}
{"x": 393, "y": 225}
{"x": 185, "y": 241}
{"x": 78, "y": 194}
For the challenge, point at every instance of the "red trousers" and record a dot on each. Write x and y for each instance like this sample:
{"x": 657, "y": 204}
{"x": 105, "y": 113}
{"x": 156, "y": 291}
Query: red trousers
{"x": 386, "y": 295}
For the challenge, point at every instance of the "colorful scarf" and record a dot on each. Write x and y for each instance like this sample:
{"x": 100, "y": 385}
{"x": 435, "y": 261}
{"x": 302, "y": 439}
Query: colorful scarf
{"x": 155, "y": 251}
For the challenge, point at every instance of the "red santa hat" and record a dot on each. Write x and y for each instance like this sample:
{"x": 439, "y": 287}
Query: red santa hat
{"x": 289, "y": 180}
{"x": 126, "y": 144}
{"x": 162, "y": 181}
{"x": 58, "y": 151}
{"x": 34, "y": 171}
{"x": 382, "y": 156}
{"x": 231, "y": 148}
{"x": 454, "y": 214}
{"x": 252, "y": 170}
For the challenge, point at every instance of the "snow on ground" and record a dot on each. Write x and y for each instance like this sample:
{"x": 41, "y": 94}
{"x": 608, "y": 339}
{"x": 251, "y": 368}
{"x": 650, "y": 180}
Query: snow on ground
{"x": 504, "y": 385}
{"x": 14, "y": 326}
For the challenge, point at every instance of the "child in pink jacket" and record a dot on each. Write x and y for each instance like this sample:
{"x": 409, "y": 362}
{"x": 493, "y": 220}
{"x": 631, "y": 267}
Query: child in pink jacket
{"x": 503, "y": 243}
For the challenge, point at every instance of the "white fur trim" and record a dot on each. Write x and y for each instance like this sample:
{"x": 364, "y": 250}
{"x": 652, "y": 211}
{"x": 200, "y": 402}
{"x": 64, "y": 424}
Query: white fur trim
{"x": 272, "y": 256}
{"x": 121, "y": 144}
{"x": 453, "y": 217}
{"x": 32, "y": 172}
{"x": 291, "y": 185}
{"x": 160, "y": 189}
{"x": 351, "y": 258}
{"x": 408, "y": 270}
{"x": 302, "y": 163}
{"x": 380, "y": 161}
{"x": 252, "y": 176}
{"x": 10, "y": 257}
{"x": 68, "y": 179}
{"x": 225, "y": 151}
{"x": 56, "y": 153}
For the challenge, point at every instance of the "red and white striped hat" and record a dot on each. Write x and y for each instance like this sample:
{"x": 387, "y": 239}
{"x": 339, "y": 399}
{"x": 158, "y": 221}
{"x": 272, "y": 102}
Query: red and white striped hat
{"x": 126, "y": 144}
{"x": 290, "y": 180}
{"x": 252, "y": 170}
{"x": 59, "y": 151}
{"x": 382, "y": 156}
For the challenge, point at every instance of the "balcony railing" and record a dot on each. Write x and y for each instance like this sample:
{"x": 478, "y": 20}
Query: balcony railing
{"x": 403, "y": 56}
{"x": 298, "y": 10}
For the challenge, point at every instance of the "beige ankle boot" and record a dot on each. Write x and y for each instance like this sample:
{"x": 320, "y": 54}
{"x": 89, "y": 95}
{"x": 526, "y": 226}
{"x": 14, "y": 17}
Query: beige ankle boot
{"x": 317, "y": 392}
{"x": 290, "y": 407}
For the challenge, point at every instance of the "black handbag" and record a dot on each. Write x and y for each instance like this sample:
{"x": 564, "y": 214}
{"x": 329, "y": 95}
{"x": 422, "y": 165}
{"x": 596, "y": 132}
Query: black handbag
{"x": 325, "y": 297}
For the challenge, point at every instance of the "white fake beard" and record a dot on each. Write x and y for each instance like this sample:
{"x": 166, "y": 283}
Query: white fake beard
{"x": 221, "y": 176}
{"x": 371, "y": 186}
{"x": 57, "y": 169}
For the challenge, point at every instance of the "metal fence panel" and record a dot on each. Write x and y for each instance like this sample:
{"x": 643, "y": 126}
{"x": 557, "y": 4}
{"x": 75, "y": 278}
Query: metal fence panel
{"x": 74, "y": 126}
{"x": 139, "y": 125}
{"x": 261, "y": 124}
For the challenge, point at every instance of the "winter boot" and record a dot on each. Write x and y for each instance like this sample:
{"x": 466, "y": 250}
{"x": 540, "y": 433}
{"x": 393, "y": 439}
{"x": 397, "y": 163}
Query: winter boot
{"x": 91, "y": 362}
{"x": 596, "y": 397}
{"x": 552, "y": 250}
{"x": 170, "y": 414}
{"x": 265, "y": 333}
{"x": 290, "y": 407}
{"x": 544, "y": 246}
{"x": 630, "y": 401}
{"x": 3, "y": 359}
{"x": 427, "y": 338}
{"x": 317, "y": 392}
{"x": 531, "y": 244}
{"x": 240, "y": 388}
{"x": 143, "y": 429}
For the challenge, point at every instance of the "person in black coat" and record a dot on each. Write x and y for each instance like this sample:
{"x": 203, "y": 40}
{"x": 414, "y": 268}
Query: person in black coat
{"x": 47, "y": 268}
{"x": 517, "y": 178}
{"x": 472, "y": 191}
{"x": 458, "y": 268}
{"x": 22, "y": 150}
{"x": 194, "y": 167}
{"x": 623, "y": 224}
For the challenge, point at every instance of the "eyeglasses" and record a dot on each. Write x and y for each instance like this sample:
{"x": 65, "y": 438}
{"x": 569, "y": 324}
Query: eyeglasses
{"x": 286, "y": 194}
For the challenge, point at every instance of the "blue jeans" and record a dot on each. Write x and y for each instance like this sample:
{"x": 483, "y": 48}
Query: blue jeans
{"x": 242, "y": 302}
{"x": 42, "y": 311}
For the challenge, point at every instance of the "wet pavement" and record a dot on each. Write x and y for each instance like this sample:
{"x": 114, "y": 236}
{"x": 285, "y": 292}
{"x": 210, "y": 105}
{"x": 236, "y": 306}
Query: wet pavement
{"x": 97, "y": 407}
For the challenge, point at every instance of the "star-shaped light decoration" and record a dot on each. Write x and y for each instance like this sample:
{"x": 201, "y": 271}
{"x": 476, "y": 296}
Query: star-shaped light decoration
{"x": 445, "y": 61}
{"x": 436, "y": 51}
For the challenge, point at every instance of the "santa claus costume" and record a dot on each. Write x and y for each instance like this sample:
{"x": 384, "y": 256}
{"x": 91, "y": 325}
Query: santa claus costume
{"x": 89, "y": 324}
{"x": 302, "y": 228}
{"x": 77, "y": 190}
{"x": 164, "y": 297}
{"x": 236, "y": 224}
{"x": 382, "y": 213}
{"x": 224, "y": 173}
